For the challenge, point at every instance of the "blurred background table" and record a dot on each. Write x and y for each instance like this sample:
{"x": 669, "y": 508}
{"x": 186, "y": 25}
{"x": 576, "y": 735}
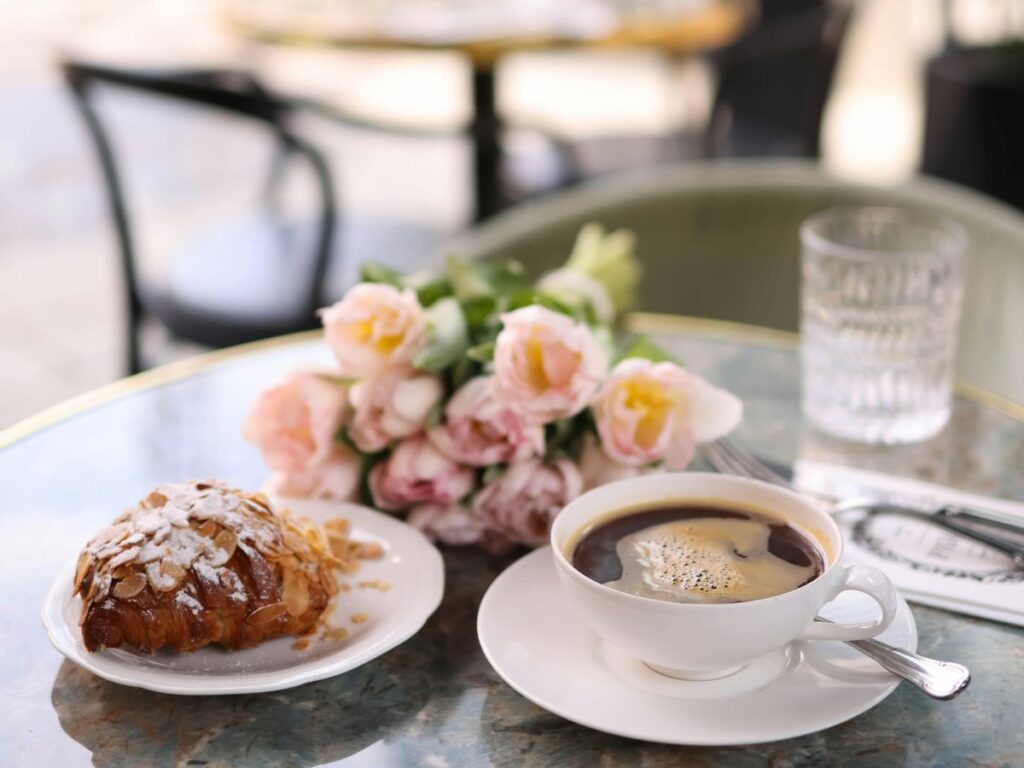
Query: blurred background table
{"x": 434, "y": 700}
{"x": 486, "y": 34}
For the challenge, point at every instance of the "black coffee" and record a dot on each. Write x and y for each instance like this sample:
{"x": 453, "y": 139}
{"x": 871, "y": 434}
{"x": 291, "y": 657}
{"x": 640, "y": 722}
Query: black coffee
{"x": 698, "y": 554}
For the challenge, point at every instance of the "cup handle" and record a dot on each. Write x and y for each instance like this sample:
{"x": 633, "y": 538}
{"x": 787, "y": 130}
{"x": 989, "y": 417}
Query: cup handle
{"x": 870, "y": 581}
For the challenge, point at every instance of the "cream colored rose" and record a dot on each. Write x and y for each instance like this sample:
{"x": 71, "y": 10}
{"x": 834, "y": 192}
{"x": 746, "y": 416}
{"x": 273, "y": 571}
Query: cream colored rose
{"x": 391, "y": 406}
{"x": 375, "y": 327}
{"x": 648, "y": 412}
{"x": 294, "y": 423}
{"x": 546, "y": 365}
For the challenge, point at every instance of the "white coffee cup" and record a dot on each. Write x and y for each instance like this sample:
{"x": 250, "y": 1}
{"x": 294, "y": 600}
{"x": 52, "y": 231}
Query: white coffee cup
{"x": 702, "y": 641}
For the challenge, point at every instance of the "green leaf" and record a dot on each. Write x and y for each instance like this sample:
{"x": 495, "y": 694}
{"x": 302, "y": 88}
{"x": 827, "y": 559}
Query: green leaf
{"x": 557, "y": 305}
{"x": 330, "y": 378}
{"x": 429, "y": 286}
{"x": 341, "y": 436}
{"x": 372, "y": 272}
{"x": 461, "y": 371}
{"x": 473, "y": 279}
{"x": 482, "y": 353}
{"x": 492, "y": 473}
{"x": 528, "y": 298}
{"x": 642, "y": 347}
{"x": 503, "y": 276}
{"x": 448, "y": 338}
{"x": 563, "y": 437}
{"x": 479, "y": 310}
{"x": 610, "y": 258}
{"x": 466, "y": 279}
{"x": 434, "y": 415}
{"x": 520, "y": 299}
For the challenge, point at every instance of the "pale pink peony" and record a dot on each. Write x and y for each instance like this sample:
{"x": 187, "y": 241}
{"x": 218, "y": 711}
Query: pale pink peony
{"x": 597, "y": 468}
{"x": 648, "y": 412}
{"x": 391, "y": 406}
{"x": 294, "y": 423}
{"x": 546, "y": 365}
{"x": 336, "y": 479}
{"x": 522, "y": 502}
{"x": 480, "y": 431}
{"x": 457, "y": 525}
{"x": 416, "y": 472}
{"x": 373, "y": 328}
{"x": 453, "y": 524}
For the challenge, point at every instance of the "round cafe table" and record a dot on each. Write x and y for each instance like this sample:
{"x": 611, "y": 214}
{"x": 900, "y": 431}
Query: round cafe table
{"x": 434, "y": 700}
{"x": 681, "y": 28}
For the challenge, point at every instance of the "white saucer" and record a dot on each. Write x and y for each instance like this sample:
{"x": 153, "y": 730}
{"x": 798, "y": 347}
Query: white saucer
{"x": 533, "y": 639}
{"x": 411, "y": 565}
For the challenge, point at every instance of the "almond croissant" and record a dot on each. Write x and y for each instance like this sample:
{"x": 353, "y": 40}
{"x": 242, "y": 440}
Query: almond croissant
{"x": 200, "y": 563}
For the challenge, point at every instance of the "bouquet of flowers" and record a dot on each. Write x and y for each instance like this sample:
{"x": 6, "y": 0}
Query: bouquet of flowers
{"x": 479, "y": 404}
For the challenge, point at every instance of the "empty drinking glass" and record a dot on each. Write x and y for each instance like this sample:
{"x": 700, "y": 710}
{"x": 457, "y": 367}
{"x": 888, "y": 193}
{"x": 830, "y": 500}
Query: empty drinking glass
{"x": 881, "y": 296}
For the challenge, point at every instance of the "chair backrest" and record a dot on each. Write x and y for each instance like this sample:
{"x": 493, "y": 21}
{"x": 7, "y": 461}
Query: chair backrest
{"x": 228, "y": 91}
{"x": 773, "y": 84}
{"x": 974, "y": 120}
{"x": 721, "y": 240}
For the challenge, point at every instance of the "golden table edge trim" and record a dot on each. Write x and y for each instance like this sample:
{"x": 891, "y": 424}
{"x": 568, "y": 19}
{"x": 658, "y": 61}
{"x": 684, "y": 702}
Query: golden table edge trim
{"x": 644, "y": 322}
{"x": 721, "y": 23}
{"x": 140, "y": 382}
{"x": 641, "y": 322}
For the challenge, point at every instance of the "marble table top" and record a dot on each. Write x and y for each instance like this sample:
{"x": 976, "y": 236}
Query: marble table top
{"x": 434, "y": 701}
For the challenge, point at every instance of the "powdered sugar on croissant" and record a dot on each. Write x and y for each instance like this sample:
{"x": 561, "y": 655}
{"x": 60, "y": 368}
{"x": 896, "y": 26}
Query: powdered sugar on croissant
{"x": 198, "y": 563}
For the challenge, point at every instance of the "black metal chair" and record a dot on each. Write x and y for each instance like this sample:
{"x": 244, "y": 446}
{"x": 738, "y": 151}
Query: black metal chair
{"x": 252, "y": 278}
{"x": 974, "y": 119}
{"x": 772, "y": 86}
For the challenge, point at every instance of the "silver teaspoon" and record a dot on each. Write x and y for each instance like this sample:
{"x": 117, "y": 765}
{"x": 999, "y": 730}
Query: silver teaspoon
{"x": 942, "y": 680}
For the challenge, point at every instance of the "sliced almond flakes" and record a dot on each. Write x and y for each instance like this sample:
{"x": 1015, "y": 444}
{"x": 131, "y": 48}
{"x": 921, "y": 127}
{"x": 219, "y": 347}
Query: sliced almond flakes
{"x": 130, "y": 586}
{"x": 267, "y": 613}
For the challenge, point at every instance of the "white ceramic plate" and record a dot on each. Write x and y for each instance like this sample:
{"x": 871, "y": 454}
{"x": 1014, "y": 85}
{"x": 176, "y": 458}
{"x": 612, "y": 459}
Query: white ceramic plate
{"x": 411, "y": 565}
{"x": 534, "y": 640}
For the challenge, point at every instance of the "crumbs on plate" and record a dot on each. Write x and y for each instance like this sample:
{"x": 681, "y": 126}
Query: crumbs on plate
{"x": 335, "y": 634}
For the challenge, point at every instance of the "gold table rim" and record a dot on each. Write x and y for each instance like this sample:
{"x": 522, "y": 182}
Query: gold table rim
{"x": 722, "y": 22}
{"x": 639, "y": 322}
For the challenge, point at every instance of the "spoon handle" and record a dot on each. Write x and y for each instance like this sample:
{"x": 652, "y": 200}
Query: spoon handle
{"x": 939, "y": 679}
{"x": 942, "y": 680}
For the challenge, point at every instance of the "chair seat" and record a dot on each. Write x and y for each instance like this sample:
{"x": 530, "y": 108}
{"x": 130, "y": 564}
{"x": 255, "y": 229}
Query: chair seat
{"x": 248, "y": 278}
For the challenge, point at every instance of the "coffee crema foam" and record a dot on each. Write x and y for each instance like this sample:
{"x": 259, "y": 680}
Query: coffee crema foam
{"x": 706, "y": 560}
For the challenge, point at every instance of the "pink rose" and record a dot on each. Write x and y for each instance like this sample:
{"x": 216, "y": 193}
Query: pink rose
{"x": 336, "y": 479}
{"x": 373, "y": 328}
{"x": 597, "y": 468}
{"x": 481, "y": 431}
{"x": 648, "y": 412}
{"x": 453, "y": 524}
{"x": 294, "y": 423}
{"x": 521, "y": 503}
{"x": 391, "y": 406}
{"x": 417, "y": 472}
{"x": 546, "y": 365}
{"x": 456, "y": 525}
